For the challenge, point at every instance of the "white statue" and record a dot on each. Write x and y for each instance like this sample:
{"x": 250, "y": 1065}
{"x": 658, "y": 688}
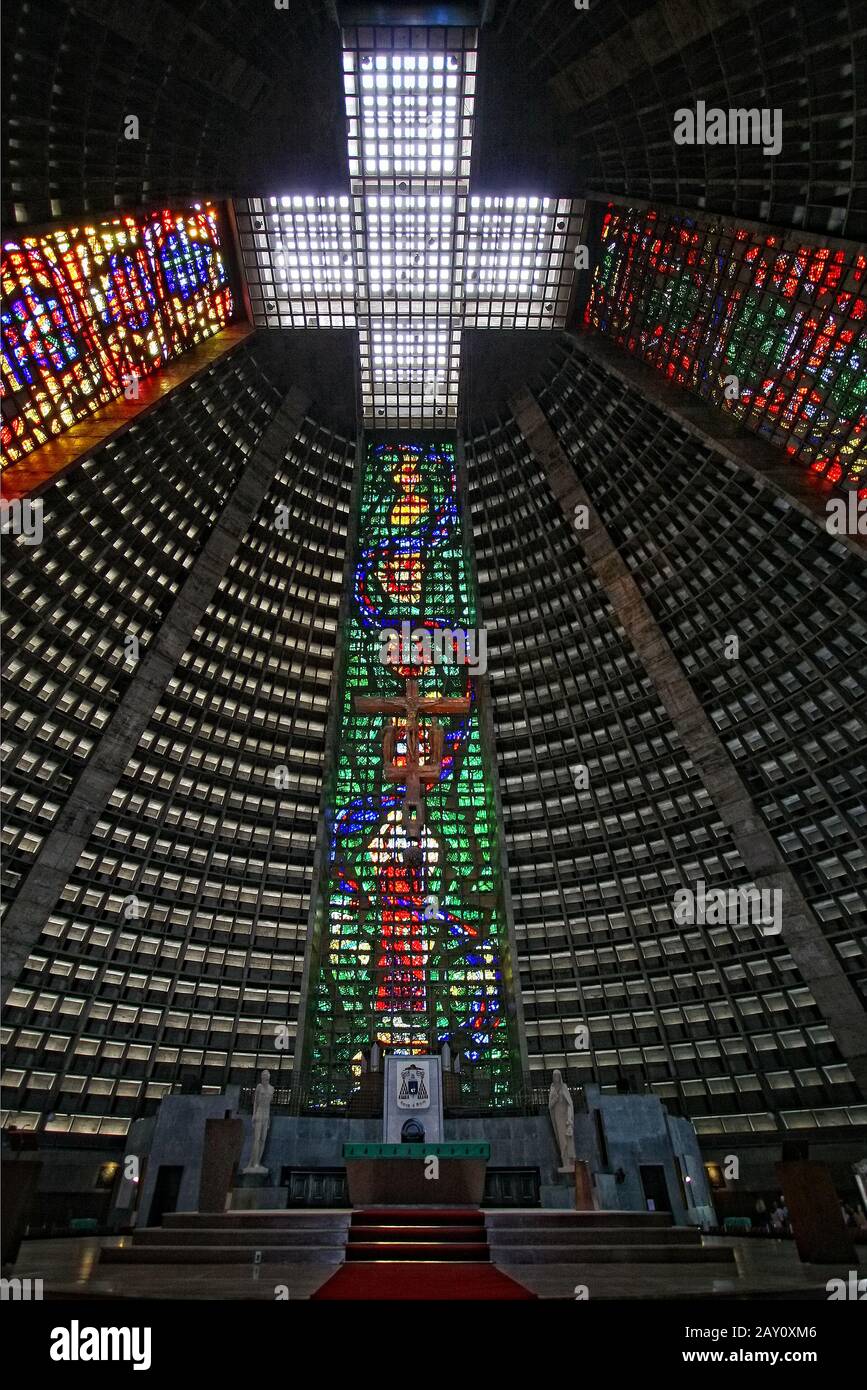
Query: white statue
{"x": 447, "y": 1057}
{"x": 562, "y": 1113}
{"x": 262, "y": 1099}
{"x": 374, "y": 1057}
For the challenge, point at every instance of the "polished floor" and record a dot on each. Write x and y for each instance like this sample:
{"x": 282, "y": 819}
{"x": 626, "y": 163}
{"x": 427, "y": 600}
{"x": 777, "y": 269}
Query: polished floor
{"x": 762, "y": 1269}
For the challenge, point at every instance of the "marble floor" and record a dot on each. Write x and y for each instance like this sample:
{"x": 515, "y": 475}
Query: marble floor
{"x": 763, "y": 1268}
{"x": 70, "y": 1267}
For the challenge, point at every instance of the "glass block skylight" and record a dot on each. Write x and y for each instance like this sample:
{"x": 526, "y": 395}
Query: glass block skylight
{"x": 409, "y": 257}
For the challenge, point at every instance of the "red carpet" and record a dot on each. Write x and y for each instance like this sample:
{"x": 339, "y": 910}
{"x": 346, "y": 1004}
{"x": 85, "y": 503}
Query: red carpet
{"x": 419, "y": 1253}
{"x": 394, "y": 1279}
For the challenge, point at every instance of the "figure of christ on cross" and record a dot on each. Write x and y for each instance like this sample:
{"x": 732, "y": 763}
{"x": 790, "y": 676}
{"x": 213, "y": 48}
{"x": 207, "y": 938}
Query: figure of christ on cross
{"x": 400, "y": 998}
{"x": 401, "y": 959}
{"x": 411, "y": 770}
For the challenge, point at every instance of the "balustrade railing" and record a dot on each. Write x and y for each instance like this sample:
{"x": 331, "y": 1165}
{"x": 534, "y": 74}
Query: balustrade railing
{"x": 468, "y": 1095}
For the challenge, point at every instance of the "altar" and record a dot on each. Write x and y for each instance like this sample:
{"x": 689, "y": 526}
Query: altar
{"x": 397, "y": 1175}
{"x": 414, "y": 1165}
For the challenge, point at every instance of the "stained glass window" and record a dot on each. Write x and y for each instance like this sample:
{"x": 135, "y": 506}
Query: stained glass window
{"x": 89, "y": 308}
{"x": 410, "y": 941}
{"x": 704, "y": 300}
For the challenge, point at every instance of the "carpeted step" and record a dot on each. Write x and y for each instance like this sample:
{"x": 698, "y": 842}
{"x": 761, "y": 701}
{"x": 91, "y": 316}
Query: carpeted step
{"x": 461, "y": 1234}
{"x": 426, "y": 1216}
{"x": 398, "y": 1251}
{"x": 421, "y": 1281}
{"x": 418, "y": 1234}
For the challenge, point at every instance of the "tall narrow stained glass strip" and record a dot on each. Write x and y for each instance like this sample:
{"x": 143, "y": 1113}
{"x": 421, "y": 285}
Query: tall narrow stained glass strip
{"x": 411, "y": 937}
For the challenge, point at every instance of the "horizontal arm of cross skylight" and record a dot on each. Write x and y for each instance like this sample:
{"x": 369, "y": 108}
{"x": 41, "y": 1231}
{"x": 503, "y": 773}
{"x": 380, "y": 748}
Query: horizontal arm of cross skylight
{"x": 300, "y": 260}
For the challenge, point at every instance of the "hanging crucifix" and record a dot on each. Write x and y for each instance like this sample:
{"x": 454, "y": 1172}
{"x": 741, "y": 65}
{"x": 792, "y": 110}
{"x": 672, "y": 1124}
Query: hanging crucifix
{"x": 411, "y": 770}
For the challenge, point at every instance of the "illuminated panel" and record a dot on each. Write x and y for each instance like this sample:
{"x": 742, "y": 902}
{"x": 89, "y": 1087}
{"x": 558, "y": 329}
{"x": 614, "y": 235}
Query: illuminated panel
{"x": 410, "y": 371}
{"x": 409, "y": 112}
{"x": 409, "y": 948}
{"x": 299, "y": 260}
{"x": 407, "y": 247}
{"x": 516, "y": 271}
{"x": 87, "y": 308}
{"x": 408, "y": 258}
{"x": 705, "y": 300}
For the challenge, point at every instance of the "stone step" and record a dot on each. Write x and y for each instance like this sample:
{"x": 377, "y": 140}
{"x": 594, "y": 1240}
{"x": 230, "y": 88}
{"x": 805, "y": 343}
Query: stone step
{"x": 611, "y": 1254}
{"x": 576, "y": 1220}
{"x": 614, "y": 1235}
{"x": 220, "y": 1254}
{"x": 255, "y": 1220}
{"x": 251, "y": 1239}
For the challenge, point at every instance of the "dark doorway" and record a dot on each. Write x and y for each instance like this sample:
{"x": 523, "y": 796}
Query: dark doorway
{"x": 655, "y": 1187}
{"x": 166, "y": 1189}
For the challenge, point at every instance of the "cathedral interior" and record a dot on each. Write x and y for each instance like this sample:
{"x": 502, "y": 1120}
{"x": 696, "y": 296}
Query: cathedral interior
{"x": 323, "y": 318}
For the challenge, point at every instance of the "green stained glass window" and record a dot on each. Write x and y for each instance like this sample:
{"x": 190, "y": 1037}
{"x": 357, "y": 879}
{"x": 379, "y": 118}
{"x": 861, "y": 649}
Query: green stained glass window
{"x": 410, "y": 935}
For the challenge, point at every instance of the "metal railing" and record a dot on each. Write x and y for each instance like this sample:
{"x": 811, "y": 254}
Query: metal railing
{"x": 472, "y": 1097}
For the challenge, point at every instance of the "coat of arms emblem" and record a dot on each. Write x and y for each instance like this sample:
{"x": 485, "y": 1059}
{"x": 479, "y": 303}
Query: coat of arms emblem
{"x": 412, "y": 1090}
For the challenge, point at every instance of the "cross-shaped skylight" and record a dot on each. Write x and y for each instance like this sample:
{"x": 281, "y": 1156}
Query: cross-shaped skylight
{"x": 409, "y": 258}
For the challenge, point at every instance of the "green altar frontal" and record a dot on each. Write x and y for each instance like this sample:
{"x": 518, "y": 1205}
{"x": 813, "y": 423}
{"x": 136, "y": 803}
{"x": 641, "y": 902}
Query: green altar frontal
{"x": 417, "y": 1151}
{"x": 416, "y": 1174}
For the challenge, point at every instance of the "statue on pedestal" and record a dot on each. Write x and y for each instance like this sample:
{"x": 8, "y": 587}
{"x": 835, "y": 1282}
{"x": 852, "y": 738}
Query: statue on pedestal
{"x": 562, "y": 1113}
{"x": 262, "y": 1098}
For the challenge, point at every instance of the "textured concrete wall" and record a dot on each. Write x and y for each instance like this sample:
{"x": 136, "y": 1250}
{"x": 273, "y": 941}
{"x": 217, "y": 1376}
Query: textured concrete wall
{"x": 638, "y": 1130}
{"x": 62, "y": 847}
{"x": 178, "y": 1139}
{"x": 768, "y": 870}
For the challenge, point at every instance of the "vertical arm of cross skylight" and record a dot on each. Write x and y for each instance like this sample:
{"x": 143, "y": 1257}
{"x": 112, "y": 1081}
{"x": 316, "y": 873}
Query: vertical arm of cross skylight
{"x": 409, "y": 94}
{"x": 409, "y": 112}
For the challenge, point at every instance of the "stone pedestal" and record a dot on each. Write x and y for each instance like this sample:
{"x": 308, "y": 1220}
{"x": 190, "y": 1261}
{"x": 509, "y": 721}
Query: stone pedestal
{"x": 261, "y": 1196}
{"x": 413, "y": 1092}
{"x": 248, "y": 1179}
{"x": 814, "y": 1211}
{"x": 256, "y": 1192}
{"x": 583, "y": 1187}
{"x": 221, "y": 1155}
